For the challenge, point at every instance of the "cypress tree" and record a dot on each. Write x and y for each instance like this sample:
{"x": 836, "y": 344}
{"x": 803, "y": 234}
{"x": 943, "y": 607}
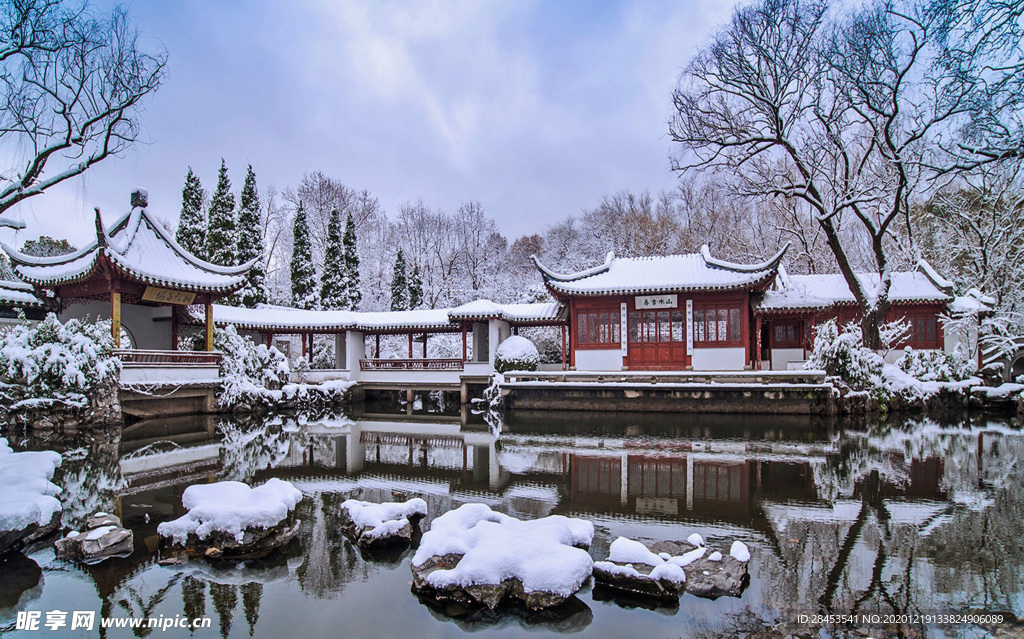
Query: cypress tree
{"x": 415, "y": 287}
{"x": 399, "y": 285}
{"x": 222, "y": 231}
{"x": 191, "y": 233}
{"x": 333, "y": 284}
{"x": 303, "y": 272}
{"x": 250, "y": 244}
{"x": 351, "y": 253}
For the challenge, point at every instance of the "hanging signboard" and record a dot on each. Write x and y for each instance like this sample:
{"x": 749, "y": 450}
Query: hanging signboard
{"x": 689, "y": 327}
{"x": 167, "y": 296}
{"x": 657, "y": 301}
{"x": 623, "y": 330}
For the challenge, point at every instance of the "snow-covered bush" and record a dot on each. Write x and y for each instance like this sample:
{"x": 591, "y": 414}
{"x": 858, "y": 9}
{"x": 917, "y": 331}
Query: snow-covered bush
{"x": 324, "y": 356}
{"x": 937, "y": 366}
{"x": 843, "y": 355}
{"x": 247, "y": 369}
{"x": 62, "y": 361}
{"x": 516, "y": 354}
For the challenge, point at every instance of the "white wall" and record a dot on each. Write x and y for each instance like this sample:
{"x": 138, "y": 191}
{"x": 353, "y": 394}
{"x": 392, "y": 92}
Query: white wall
{"x": 137, "y": 319}
{"x": 782, "y": 356}
{"x": 355, "y": 350}
{"x": 599, "y": 360}
{"x": 497, "y": 332}
{"x": 719, "y": 359}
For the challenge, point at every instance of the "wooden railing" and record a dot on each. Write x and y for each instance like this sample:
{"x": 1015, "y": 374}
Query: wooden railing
{"x": 386, "y": 364}
{"x": 135, "y": 357}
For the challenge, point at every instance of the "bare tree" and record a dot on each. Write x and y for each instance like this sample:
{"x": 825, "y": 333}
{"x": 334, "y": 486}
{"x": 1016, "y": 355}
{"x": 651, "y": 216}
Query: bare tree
{"x": 836, "y": 112}
{"x": 72, "y": 84}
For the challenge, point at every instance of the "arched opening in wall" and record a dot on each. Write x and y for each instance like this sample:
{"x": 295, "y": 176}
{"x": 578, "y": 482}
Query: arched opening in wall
{"x": 127, "y": 339}
{"x": 1017, "y": 367}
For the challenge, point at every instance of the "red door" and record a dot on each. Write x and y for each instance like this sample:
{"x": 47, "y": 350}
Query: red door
{"x": 657, "y": 340}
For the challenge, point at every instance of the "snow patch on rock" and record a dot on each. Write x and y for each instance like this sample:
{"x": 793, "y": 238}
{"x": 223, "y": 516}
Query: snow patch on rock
{"x": 231, "y": 507}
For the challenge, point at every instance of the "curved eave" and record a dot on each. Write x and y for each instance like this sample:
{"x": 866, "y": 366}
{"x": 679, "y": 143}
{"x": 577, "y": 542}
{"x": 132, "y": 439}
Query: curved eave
{"x": 53, "y": 282}
{"x": 143, "y": 278}
{"x": 750, "y": 285}
{"x": 771, "y": 264}
{"x": 547, "y": 273}
{"x": 903, "y": 300}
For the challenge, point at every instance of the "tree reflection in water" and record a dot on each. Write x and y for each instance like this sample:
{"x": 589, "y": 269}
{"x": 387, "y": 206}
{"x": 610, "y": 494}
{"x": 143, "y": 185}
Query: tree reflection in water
{"x": 912, "y": 517}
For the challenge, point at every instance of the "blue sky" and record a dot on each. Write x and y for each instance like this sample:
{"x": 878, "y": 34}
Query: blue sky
{"x": 535, "y": 109}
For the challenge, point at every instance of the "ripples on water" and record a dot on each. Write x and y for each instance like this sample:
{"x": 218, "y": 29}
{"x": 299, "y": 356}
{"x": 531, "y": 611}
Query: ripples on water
{"x": 905, "y": 518}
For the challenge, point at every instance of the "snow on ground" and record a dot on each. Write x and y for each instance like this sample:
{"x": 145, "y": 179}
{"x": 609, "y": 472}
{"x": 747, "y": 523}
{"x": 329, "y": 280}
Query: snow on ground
{"x": 1000, "y": 392}
{"x": 231, "y": 507}
{"x": 383, "y": 520}
{"x": 28, "y": 495}
{"x": 540, "y": 553}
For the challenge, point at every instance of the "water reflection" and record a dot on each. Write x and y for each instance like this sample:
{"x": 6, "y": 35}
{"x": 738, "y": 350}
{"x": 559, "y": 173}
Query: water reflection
{"x": 911, "y": 517}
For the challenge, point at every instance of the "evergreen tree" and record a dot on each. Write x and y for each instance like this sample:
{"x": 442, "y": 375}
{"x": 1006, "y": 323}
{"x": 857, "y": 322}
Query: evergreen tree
{"x": 191, "y": 232}
{"x": 222, "y": 231}
{"x": 250, "y": 245}
{"x": 303, "y": 272}
{"x": 334, "y": 282}
{"x": 351, "y": 252}
{"x": 399, "y": 285}
{"x": 415, "y": 287}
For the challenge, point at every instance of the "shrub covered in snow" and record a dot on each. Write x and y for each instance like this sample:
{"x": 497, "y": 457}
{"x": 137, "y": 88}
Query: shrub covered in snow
{"x": 937, "y": 366}
{"x": 66, "y": 361}
{"x": 516, "y": 354}
{"x": 248, "y": 369}
{"x": 842, "y": 354}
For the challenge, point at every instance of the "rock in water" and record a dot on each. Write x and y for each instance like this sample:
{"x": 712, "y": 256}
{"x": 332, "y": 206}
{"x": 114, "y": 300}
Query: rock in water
{"x": 724, "y": 578}
{"x": 231, "y": 520}
{"x": 473, "y": 556}
{"x": 29, "y": 509}
{"x": 372, "y": 525}
{"x": 633, "y": 568}
{"x": 102, "y": 538}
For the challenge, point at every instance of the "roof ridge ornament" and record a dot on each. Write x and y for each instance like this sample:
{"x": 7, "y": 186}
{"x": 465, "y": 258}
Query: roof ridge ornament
{"x": 548, "y": 274}
{"x": 769, "y": 264}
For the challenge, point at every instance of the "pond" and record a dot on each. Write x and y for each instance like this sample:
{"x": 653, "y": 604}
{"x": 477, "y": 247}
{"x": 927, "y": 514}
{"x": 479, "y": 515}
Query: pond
{"x": 909, "y": 518}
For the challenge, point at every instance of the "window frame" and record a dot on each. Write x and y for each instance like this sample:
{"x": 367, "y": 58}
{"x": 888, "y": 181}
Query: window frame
{"x": 732, "y": 309}
{"x": 609, "y": 330}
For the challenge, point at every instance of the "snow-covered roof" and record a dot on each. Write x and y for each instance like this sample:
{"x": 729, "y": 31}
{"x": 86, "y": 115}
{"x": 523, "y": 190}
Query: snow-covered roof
{"x": 661, "y": 274}
{"x": 267, "y": 317}
{"x": 138, "y": 248}
{"x": 14, "y": 293}
{"x": 822, "y": 291}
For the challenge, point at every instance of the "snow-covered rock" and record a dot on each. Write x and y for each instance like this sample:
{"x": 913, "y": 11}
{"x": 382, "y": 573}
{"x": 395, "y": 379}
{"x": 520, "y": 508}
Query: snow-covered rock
{"x": 633, "y": 568}
{"x": 475, "y": 556}
{"x": 657, "y": 573}
{"x": 29, "y": 509}
{"x": 103, "y": 537}
{"x": 739, "y": 551}
{"x": 369, "y": 524}
{"x": 230, "y": 519}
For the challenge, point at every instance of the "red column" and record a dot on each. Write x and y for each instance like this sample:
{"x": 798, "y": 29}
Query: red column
{"x": 464, "y": 343}
{"x": 410, "y": 345}
{"x": 424, "y": 346}
{"x": 304, "y": 351}
{"x": 757, "y": 341}
{"x": 563, "y": 346}
{"x": 378, "y": 345}
{"x": 270, "y": 340}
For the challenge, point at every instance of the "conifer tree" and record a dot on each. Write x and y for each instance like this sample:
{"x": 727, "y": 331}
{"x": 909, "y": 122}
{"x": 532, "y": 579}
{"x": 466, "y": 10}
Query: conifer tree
{"x": 399, "y": 285}
{"x": 222, "y": 231}
{"x": 415, "y": 287}
{"x": 250, "y": 244}
{"x": 191, "y": 234}
{"x": 334, "y": 282}
{"x": 350, "y": 249}
{"x": 304, "y": 293}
